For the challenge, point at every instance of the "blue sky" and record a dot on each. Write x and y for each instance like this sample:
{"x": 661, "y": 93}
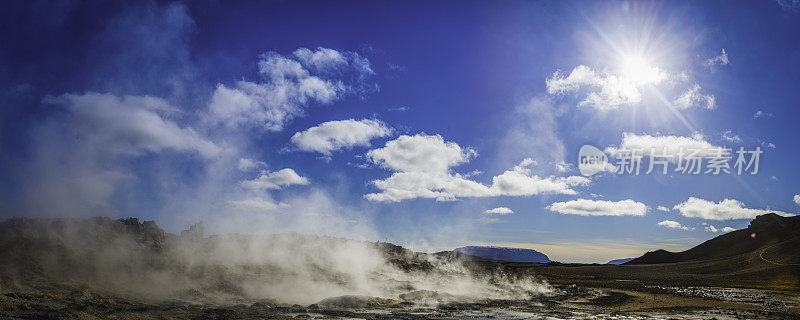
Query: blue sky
{"x": 432, "y": 125}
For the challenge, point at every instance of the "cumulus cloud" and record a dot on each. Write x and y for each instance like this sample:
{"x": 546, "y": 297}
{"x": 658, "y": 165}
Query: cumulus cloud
{"x": 335, "y": 135}
{"x": 693, "y": 98}
{"x": 670, "y": 146}
{"x": 290, "y": 85}
{"x": 499, "y": 210}
{"x": 604, "y": 91}
{"x": 275, "y": 180}
{"x": 520, "y": 181}
{"x": 720, "y": 60}
{"x": 727, "y": 209}
{"x": 586, "y": 207}
{"x": 422, "y": 166}
{"x": 796, "y": 199}
{"x": 663, "y": 208}
{"x": 672, "y": 225}
{"x": 421, "y": 153}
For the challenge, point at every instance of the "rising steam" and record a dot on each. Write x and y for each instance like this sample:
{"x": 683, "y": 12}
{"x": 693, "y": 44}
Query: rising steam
{"x": 141, "y": 261}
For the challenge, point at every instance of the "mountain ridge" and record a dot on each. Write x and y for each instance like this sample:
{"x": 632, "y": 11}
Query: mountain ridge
{"x": 765, "y": 231}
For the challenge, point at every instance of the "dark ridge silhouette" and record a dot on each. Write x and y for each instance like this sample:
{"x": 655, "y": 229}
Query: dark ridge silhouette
{"x": 770, "y": 233}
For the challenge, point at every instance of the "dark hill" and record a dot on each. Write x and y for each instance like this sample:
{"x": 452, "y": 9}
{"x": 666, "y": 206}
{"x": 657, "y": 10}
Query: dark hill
{"x": 505, "y": 254}
{"x": 769, "y": 232}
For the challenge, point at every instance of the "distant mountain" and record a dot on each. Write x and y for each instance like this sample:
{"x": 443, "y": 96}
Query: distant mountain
{"x": 505, "y": 254}
{"x": 769, "y": 237}
{"x": 619, "y": 261}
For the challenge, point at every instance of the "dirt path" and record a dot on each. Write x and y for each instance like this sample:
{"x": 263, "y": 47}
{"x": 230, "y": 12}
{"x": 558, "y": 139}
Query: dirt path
{"x": 761, "y": 255}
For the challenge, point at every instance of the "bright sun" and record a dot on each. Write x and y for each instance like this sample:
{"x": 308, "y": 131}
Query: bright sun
{"x": 636, "y": 69}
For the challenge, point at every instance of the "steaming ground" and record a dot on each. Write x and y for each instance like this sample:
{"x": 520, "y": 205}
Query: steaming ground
{"x": 102, "y": 268}
{"x": 140, "y": 261}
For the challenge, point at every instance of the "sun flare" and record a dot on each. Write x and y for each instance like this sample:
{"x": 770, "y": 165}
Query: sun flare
{"x": 638, "y": 70}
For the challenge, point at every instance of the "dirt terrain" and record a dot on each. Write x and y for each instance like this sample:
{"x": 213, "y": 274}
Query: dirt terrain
{"x": 125, "y": 269}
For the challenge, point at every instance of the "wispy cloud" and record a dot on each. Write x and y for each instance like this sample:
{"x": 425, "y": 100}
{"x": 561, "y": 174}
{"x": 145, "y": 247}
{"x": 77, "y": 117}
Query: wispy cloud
{"x": 729, "y": 136}
{"x": 762, "y": 115}
{"x": 693, "y": 98}
{"x": 720, "y": 60}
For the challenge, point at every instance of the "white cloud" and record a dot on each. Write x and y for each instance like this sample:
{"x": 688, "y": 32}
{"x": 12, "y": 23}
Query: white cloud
{"x": 246, "y": 164}
{"x": 420, "y": 153}
{"x": 713, "y": 229}
{"x": 673, "y": 225}
{"x": 130, "y": 125}
{"x": 520, "y": 181}
{"x": 575, "y": 181}
{"x": 693, "y": 98}
{"x": 422, "y": 169}
{"x": 499, "y": 210}
{"x": 726, "y": 209}
{"x": 586, "y": 207}
{"x": 762, "y": 114}
{"x": 721, "y": 60}
{"x": 729, "y": 136}
{"x": 605, "y": 91}
{"x": 291, "y": 85}
{"x": 335, "y": 135}
{"x": 796, "y": 199}
{"x": 275, "y": 180}
{"x": 663, "y": 208}
{"x": 666, "y": 145}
